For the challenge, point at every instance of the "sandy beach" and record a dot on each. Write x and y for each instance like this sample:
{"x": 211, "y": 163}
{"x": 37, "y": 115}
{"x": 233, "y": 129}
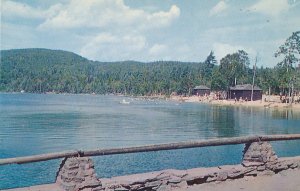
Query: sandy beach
{"x": 266, "y": 102}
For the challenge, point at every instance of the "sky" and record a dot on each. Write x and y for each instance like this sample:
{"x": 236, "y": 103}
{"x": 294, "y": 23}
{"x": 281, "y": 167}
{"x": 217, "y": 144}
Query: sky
{"x": 151, "y": 30}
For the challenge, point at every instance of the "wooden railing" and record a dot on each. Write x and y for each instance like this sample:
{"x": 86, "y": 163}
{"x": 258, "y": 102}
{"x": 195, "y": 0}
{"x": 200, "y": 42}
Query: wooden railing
{"x": 147, "y": 148}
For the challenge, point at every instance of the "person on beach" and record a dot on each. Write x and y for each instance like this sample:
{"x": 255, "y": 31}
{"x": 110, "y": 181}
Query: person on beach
{"x": 280, "y": 96}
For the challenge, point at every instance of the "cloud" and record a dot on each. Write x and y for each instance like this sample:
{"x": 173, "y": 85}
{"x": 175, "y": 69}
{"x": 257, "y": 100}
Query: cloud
{"x": 116, "y": 47}
{"x": 158, "y": 49}
{"x": 222, "y": 49}
{"x": 164, "y": 18}
{"x": 270, "y": 7}
{"x": 104, "y": 13}
{"x": 103, "y": 30}
{"x": 75, "y": 14}
{"x": 109, "y": 47}
{"x": 11, "y": 9}
{"x": 218, "y": 8}
{"x": 15, "y": 9}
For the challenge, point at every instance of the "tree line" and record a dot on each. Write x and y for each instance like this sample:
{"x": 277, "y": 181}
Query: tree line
{"x": 43, "y": 70}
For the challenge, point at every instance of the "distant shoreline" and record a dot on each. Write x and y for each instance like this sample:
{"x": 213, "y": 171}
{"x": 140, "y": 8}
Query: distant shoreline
{"x": 271, "y": 102}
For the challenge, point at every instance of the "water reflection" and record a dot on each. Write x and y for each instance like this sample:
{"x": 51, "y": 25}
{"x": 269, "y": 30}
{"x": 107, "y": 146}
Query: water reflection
{"x": 285, "y": 114}
{"x": 223, "y": 121}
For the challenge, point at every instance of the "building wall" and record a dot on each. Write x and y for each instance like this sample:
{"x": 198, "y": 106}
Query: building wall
{"x": 257, "y": 94}
{"x": 201, "y": 92}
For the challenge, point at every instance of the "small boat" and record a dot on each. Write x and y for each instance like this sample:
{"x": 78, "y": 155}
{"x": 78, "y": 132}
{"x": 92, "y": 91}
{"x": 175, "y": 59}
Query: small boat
{"x": 124, "y": 102}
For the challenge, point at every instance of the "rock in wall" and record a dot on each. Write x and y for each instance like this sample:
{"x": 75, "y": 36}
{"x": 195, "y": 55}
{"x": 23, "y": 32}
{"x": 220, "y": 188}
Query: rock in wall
{"x": 77, "y": 173}
{"x": 258, "y": 153}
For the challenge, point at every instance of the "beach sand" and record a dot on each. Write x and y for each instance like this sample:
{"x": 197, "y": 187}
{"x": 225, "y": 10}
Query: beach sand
{"x": 266, "y": 102}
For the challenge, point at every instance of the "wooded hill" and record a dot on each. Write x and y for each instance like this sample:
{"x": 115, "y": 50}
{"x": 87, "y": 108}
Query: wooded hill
{"x": 44, "y": 70}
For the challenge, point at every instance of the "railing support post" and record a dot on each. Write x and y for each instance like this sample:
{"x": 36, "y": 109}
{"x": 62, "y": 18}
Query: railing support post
{"x": 77, "y": 173}
{"x": 258, "y": 153}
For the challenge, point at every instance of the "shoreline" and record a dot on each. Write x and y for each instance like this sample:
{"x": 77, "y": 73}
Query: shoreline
{"x": 266, "y": 102}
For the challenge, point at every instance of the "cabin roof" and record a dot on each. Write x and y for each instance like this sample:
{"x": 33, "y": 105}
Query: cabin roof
{"x": 201, "y": 87}
{"x": 245, "y": 87}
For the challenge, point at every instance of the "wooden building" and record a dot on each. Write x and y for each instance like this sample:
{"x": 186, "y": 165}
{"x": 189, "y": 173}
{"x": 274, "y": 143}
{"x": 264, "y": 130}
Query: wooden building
{"x": 244, "y": 92}
{"x": 201, "y": 90}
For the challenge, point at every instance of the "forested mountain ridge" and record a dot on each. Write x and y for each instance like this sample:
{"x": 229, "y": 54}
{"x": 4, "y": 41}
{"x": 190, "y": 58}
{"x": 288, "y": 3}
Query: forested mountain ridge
{"x": 43, "y": 70}
{"x": 43, "y": 55}
{"x": 36, "y": 70}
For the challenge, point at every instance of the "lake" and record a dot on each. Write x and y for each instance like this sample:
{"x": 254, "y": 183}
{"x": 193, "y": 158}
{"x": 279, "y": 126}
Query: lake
{"x": 35, "y": 124}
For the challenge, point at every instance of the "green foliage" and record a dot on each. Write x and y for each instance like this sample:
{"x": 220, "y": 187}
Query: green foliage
{"x": 208, "y": 66}
{"x": 267, "y": 79}
{"x": 290, "y": 51}
{"x": 218, "y": 80}
{"x": 235, "y": 67}
{"x": 42, "y": 70}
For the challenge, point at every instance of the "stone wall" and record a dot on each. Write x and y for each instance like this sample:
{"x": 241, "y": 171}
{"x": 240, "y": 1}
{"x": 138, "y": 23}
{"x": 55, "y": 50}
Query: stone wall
{"x": 180, "y": 179}
{"x": 258, "y": 159}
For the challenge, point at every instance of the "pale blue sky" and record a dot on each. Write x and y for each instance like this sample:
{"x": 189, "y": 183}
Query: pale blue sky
{"x": 149, "y": 30}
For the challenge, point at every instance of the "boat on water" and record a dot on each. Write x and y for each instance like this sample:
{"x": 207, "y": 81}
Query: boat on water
{"x": 124, "y": 102}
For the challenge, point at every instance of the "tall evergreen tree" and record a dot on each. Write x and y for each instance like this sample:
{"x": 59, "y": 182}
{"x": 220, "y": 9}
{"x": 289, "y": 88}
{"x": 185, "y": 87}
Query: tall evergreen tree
{"x": 208, "y": 66}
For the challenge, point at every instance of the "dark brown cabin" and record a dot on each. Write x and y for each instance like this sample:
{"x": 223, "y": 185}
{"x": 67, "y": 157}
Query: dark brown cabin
{"x": 201, "y": 90}
{"x": 244, "y": 92}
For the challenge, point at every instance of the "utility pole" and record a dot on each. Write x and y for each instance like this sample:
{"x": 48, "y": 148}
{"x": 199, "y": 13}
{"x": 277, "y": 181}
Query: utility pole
{"x": 291, "y": 83}
{"x": 253, "y": 78}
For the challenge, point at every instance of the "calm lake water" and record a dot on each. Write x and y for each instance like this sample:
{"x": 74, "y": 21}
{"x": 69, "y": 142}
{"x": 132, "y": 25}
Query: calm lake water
{"x": 35, "y": 124}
